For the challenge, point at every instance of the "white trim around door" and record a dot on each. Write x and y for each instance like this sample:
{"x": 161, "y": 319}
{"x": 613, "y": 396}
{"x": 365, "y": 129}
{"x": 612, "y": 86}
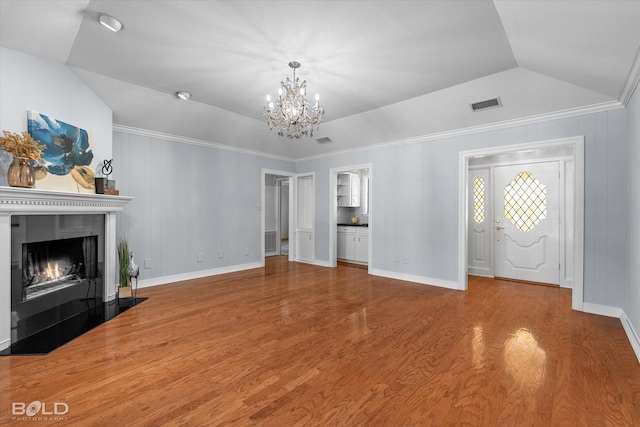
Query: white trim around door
{"x": 333, "y": 212}
{"x": 290, "y": 175}
{"x": 577, "y": 145}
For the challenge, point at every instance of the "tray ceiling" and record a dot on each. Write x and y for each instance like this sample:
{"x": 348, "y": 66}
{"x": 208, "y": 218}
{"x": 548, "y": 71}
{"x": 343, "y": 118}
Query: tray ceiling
{"x": 385, "y": 70}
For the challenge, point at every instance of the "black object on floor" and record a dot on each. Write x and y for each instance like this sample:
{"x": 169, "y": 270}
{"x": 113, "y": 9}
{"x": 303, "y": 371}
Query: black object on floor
{"x": 64, "y": 331}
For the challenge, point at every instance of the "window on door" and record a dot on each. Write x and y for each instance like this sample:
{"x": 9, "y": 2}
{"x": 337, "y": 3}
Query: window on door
{"x": 525, "y": 201}
{"x": 478, "y": 200}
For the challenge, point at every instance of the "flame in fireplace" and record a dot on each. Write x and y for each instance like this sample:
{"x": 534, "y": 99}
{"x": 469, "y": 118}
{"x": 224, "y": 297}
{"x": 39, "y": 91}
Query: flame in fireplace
{"x": 52, "y": 273}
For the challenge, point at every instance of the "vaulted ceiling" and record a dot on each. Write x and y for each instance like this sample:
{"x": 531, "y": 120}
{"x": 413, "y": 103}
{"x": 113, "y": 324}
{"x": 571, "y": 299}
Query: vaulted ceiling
{"x": 386, "y": 71}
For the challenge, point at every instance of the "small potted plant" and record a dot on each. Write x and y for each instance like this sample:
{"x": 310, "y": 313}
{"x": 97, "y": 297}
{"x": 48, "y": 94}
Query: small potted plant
{"x": 124, "y": 286}
{"x": 25, "y": 151}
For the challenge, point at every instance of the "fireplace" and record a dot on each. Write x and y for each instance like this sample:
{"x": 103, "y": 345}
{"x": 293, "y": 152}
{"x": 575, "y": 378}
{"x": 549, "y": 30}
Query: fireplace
{"x": 40, "y": 224}
{"x": 54, "y": 265}
{"x": 56, "y": 269}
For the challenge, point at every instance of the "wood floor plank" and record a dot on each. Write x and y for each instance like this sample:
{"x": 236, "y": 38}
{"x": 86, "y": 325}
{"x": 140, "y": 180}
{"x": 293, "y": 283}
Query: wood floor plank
{"x": 295, "y": 344}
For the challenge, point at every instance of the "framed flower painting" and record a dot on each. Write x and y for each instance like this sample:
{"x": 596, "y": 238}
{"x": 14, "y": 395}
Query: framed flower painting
{"x": 68, "y": 155}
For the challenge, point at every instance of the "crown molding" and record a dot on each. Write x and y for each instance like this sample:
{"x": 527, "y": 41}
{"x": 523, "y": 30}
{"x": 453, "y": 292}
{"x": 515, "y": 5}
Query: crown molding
{"x": 192, "y": 141}
{"x": 572, "y": 112}
{"x": 632, "y": 80}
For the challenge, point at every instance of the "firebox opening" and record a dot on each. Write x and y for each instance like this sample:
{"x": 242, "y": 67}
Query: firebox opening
{"x": 53, "y": 265}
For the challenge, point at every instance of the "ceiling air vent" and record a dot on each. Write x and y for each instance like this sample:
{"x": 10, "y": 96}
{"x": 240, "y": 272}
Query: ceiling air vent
{"x": 489, "y": 103}
{"x": 324, "y": 140}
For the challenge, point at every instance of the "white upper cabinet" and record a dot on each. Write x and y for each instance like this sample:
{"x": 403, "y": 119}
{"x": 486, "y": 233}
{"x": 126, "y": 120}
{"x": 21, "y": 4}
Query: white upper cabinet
{"x": 348, "y": 190}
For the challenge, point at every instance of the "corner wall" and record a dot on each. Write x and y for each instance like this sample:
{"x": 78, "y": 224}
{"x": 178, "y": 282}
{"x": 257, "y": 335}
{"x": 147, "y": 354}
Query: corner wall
{"x": 631, "y": 304}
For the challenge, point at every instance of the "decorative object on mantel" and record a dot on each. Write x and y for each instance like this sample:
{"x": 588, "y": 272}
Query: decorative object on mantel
{"x": 290, "y": 114}
{"x": 25, "y": 151}
{"x": 103, "y": 183}
{"x": 124, "y": 284}
{"x": 67, "y": 154}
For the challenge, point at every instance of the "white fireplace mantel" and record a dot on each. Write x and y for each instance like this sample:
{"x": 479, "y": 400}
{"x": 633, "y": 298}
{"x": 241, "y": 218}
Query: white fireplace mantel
{"x": 29, "y": 201}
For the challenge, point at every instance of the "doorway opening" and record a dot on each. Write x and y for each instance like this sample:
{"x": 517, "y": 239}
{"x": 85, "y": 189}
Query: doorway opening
{"x": 351, "y": 204}
{"x": 276, "y": 213}
{"x": 300, "y": 227}
{"x": 482, "y": 230}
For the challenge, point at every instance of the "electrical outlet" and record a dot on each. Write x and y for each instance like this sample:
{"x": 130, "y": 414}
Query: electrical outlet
{"x": 220, "y": 253}
{"x": 147, "y": 263}
{"x": 199, "y": 257}
{"x": 398, "y": 257}
{"x": 405, "y": 259}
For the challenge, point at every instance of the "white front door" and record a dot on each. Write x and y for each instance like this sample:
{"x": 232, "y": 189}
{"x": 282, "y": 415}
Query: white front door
{"x": 526, "y": 222}
{"x": 305, "y": 218}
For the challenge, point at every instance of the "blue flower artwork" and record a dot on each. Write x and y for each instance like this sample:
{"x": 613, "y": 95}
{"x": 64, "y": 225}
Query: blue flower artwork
{"x": 66, "y": 146}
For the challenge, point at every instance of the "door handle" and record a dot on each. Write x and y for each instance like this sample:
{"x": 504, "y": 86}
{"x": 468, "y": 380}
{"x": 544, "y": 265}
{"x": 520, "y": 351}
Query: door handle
{"x": 499, "y": 228}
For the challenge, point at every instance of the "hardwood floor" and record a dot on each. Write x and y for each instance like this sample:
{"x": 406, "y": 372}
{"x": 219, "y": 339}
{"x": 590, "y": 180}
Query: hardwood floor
{"x": 295, "y": 344}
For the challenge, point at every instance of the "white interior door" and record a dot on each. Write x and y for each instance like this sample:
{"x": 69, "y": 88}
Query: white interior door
{"x": 305, "y": 218}
{"x": 527, "y": 222}
{"x": 283, "y": 243}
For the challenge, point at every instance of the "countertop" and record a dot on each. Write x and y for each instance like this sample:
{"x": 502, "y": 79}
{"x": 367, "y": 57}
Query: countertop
{"x": 353, "y": 225}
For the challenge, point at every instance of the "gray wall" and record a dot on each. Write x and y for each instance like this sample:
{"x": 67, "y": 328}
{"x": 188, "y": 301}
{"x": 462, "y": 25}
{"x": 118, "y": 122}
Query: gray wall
{"x": 188, "y": 199}
{"x": 415, "y": 200}
{"x": 632, "y": 296}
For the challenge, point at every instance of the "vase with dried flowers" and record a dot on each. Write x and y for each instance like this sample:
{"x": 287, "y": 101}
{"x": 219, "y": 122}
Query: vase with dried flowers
{"x": 25, "y": 151}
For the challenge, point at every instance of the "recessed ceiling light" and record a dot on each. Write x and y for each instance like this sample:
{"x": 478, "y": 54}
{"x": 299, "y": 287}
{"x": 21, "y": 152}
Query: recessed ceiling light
{"x": 110, "y": 22}
{"x": 183, "y": 95}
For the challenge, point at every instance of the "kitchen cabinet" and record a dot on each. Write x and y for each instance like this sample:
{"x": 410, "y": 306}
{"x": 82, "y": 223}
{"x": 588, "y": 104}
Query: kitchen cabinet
{"x": 353, "y": 244}
{"x": 348, "y": 190}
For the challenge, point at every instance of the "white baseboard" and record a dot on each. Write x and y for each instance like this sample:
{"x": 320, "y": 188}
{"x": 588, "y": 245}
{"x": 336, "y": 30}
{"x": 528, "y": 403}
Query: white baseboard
{"x": 417, "y": 279}
{"x": 196, "y": 274}
{"x": 5, "y": 344}
{"x": 606, "y": 310}
{"x": 318, "y": 262}
{"x": 602, "y": 310}
{"x": 632, "y": 335}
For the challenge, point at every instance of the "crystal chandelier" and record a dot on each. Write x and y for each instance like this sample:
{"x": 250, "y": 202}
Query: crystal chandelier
{"x": 290, "y": 114}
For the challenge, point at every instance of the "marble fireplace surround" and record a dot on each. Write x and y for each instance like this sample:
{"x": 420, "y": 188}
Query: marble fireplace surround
{"x": 20, "y": 201}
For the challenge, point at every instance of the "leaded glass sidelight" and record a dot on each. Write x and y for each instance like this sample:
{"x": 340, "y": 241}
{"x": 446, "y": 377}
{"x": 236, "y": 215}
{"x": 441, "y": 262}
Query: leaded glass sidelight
{"x": 525, "y": 201}
{"x": 478, "y": 200}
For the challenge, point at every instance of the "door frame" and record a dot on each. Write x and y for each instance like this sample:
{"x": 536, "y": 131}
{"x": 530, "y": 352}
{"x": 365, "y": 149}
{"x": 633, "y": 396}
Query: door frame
{"x": 333, "y": 212}
{"x": 577, "y": 143}
{"x": 264, "y": 174}
{"x": 280, "y": 182}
